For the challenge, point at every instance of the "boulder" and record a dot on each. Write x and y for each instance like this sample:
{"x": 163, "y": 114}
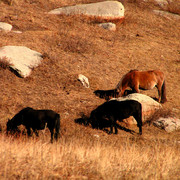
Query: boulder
{"x": 149, "y": 106}
{"x": 109, "y": 26}
{"x": 109, "y": 10}
{"x": 5, "y": 27}
{"x": 169, "y": 124}
{"x": 21, "y": 59}
{"x": 84, "y": 80}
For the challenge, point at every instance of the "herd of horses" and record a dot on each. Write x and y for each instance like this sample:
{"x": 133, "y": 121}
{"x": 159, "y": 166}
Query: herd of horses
{"x": 105, "y": 115}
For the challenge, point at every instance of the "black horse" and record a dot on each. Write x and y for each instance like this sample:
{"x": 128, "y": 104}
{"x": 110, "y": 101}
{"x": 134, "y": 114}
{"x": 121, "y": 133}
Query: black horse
{"x": 36, "y": 120}
{"x": 113, "y": 110}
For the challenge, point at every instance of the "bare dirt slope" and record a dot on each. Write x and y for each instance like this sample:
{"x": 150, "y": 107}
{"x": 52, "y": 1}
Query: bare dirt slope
{"x": 75, "y": 44}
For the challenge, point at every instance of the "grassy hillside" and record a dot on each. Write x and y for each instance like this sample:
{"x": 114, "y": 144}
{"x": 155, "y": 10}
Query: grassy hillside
{"x": 74, "y": 45}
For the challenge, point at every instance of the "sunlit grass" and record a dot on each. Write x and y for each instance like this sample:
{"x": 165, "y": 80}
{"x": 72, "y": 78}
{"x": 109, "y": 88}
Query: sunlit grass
{"x": 34, "y": 159}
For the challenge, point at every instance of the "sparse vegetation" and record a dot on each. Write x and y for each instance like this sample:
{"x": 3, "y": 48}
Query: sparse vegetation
{"x": 72, "y": 45}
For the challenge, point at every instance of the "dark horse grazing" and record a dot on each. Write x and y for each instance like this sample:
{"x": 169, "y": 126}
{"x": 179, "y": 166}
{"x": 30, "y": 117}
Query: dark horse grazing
{"x": 37, "y": 120}
{"x": 144, "y": 80}
{"x": 114, "y": 110}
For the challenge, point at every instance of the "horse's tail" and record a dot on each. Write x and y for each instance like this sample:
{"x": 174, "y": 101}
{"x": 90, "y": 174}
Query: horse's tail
{"x": 163, "y": 93}
{"x": 57, "y": 127}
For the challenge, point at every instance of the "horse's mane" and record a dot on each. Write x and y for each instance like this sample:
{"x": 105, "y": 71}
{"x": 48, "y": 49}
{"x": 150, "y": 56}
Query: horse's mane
{"x": 120, "y": 82}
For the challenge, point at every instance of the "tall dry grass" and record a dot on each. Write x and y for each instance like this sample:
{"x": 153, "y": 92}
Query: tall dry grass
{"x": 88, "y": 158}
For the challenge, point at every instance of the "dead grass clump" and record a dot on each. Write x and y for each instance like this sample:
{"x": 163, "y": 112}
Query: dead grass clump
{"x": 76, "y": 45}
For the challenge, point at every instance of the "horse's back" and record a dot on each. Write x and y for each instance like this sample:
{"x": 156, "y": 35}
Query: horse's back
{"x": 38, "y": 118}
{"x": 129, "y": 106}
{"x": 121, "y": 107}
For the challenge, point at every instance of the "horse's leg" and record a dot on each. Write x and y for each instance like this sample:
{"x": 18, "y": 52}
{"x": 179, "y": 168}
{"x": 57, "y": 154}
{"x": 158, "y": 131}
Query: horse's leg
{"x": 138, "y": 118}
{"x": 111, "y": 127}
{"x": 52, "y": 135}
{"x": 122, "y": 91}
{"x": 28, "y": 131}
{"x": 159, "y": 92}
{"x": 113, "y": 124}
{"x": 135, "y": 88}
{"x": 57, "y": 128}
{"x": 163, "y": 92}
{"x": 36, "y": 132}
{"x": 116, "y": 131}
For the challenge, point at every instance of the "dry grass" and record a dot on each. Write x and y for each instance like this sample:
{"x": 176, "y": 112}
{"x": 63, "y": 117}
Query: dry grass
{"x": 75, "y": 158}
{"x": 72, "y": 45}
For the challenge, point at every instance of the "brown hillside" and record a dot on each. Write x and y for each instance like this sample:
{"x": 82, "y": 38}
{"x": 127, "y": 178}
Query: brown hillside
{"x": 76, "y": 45}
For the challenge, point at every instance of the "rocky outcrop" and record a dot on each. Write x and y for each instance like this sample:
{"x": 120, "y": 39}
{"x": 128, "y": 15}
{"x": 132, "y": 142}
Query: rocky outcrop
{"x": 21, "y": 59}
{"x": 168, "y": 124}
{"x": 109, "y": 10}
{"x": 5, "y": 27}
{"x": 149, "y": 106}
{"x": 84, "y": 80}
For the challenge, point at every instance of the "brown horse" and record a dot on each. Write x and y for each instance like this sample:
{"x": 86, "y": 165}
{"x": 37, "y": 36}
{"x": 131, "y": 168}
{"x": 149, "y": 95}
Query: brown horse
{"x": 144, "y": 80}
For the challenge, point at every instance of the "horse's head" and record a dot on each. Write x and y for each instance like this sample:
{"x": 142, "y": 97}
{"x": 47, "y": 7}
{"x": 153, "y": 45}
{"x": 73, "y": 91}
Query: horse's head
{"x": 92, "y": 119}
{"x": 11, "y": 127}
{"x": 83, "y": 120}
{"x": 95, "y": 119}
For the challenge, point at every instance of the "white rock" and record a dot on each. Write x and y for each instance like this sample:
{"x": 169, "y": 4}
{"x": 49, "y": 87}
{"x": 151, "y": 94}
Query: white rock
{"x": 5, "y": 27}
{"x": 17, "y": 32}
{"x": 21, "y": 58}
{"x": 168, "y": 124}
{"x": 84, "y": 80}
{"x": 105, "y": 10}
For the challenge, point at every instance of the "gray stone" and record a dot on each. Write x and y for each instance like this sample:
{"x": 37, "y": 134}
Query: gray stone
{"x": 168, "y": 124}
{"x": 5, "y": 27}
{"x": 21, "y": 59}
{"x": 109, "y": 26}
{"x": 17, "y": 32}
{"x": 104, "y": 10}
